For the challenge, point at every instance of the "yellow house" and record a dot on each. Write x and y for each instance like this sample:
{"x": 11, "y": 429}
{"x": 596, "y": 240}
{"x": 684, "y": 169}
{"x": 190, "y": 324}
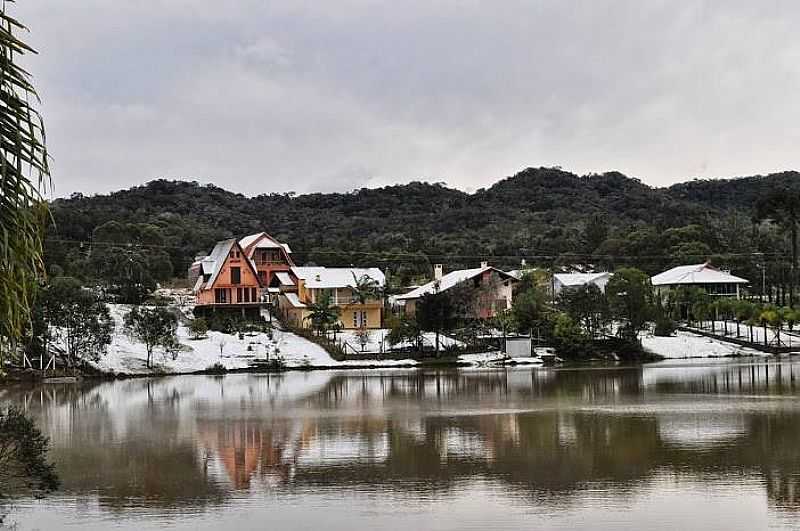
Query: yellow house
{"x": 304, "y": 286}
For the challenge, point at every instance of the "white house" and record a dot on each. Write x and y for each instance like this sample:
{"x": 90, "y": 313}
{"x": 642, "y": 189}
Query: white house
{"x": 566, "y": 281}
{"x": 715, "y": 282}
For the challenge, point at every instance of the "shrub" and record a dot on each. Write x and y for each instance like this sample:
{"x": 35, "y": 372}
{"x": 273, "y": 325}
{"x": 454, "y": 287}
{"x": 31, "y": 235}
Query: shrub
{"x": 198, "y": 327}
{"x": 216, "y": 368}
{"x": 665, "y": 326}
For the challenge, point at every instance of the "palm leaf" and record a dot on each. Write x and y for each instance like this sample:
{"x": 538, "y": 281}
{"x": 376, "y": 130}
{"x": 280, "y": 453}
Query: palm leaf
{"x": 24, "y": 174}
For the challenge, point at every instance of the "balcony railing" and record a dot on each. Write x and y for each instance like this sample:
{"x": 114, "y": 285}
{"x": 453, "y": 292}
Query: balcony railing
{"x": 352, "y": 302}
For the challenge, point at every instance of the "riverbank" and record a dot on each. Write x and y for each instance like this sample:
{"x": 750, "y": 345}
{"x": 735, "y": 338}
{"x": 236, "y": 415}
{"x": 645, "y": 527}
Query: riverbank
{"x": 275, "y": 350}
{"x": 216, "y": 352}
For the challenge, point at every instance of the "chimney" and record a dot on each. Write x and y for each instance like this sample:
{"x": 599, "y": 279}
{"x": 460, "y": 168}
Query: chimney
{"x": 484, "y": 265}
{"x": 437, "y": 272}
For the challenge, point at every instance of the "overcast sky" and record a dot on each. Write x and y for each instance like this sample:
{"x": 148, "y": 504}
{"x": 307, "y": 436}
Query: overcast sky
{"x": 259, "y": 96}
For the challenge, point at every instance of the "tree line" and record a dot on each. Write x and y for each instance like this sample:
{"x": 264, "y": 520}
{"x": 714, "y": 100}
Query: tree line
{"x": 132, "y": 239}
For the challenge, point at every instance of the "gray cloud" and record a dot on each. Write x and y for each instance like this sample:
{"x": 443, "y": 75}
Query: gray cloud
{"x": 268, "y": 96}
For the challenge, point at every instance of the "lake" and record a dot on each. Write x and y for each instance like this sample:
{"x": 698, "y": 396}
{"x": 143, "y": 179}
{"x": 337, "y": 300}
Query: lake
{"x": 673, "y": 445}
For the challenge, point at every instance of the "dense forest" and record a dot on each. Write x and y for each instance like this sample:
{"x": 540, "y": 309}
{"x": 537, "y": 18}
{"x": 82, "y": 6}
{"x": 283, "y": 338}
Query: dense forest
{"x": 549, "y": 217}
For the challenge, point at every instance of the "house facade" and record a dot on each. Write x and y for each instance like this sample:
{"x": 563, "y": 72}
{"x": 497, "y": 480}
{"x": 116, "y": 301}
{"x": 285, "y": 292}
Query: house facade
{"x": 303, "y": 286}
{"x": 715, "y": 282}
{"x": 268, "y": 254}
{"x": 492, "y": 293}
{"x": 227, "y": 279}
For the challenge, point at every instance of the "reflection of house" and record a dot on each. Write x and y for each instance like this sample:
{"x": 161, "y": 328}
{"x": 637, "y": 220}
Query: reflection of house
{"x": 492, "y": 288}
{"x": 303, "y": 286}
{"x": 567, "y": 281}
{"x": 704, "y": 276}
{"x": 227, "y": 279}
{"x": 245, "y": 448}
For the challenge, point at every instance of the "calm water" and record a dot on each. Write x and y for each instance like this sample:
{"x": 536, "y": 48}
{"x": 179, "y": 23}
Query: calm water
{"x": 670, "y": 446}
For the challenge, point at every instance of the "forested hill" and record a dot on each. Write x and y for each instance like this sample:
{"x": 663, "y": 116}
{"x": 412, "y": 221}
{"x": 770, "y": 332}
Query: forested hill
{"x": 538, "y": 213}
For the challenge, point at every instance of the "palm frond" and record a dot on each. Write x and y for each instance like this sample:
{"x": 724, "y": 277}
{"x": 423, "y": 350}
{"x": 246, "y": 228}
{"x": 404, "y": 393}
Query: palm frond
{"x": 24, "y": 176}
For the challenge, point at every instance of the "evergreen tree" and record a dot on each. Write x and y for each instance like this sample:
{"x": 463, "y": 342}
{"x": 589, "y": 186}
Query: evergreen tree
{"x": 629, "y": 297}
{"x": 75, "y": 319}
{"x": 436, "y": 313}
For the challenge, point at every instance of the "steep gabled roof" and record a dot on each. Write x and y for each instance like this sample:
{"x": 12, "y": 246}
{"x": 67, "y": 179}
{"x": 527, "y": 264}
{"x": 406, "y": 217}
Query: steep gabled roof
{"x": 218, "y": 255}
{"x": 695, "y": 274}
{"x": 337, "y": 277}
{"x": 266, "y": 242}
{"x": 449, "y": 280}
{"x": 216, "y": 260}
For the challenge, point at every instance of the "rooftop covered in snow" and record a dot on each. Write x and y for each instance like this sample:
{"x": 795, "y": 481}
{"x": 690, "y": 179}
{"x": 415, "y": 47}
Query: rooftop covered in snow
{"x": 337, "y": 277}
{"x": 695, "y": 274}
{"x": 579, "y": 279}
{"x": 449, "y": 280}
{"x": 265, "y": 241}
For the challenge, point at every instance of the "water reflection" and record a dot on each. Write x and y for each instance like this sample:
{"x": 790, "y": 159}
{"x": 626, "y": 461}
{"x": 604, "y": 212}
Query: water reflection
{"x": 545, "y": 437}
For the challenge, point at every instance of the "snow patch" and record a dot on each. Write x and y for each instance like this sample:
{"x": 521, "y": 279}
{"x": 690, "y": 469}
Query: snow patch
{"x": 688, "y": 345}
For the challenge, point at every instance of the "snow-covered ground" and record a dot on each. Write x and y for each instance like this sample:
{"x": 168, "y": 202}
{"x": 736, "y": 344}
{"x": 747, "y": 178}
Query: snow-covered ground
{"x": 688, "y": 345}
{"x": 377, "y": 337}
{"x": 787, "y": 338}
{"x": 127, "y": 356}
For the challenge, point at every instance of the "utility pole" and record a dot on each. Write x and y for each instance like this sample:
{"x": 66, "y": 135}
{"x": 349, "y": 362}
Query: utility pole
{"x": 762, "y": 266}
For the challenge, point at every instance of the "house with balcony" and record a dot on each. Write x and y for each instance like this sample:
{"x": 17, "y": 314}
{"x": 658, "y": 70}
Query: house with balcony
{"x": 715, "y": 282}
{"x": 227, "y": 280}
{"x": 303, "y": 286}
{"x": 490, "y": 288}
{"x": 269, "y": 256}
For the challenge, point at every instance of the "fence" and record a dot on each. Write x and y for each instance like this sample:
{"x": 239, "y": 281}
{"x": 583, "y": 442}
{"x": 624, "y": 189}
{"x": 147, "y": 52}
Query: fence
{"x": 27, "y": 363}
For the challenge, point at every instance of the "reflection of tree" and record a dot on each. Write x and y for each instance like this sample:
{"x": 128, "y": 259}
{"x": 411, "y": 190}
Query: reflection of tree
{"x": 542, "y": 434}
{"x": 759, "y": 378}
{"x": 772, "y": 447}
{"x": 122, "y": 458}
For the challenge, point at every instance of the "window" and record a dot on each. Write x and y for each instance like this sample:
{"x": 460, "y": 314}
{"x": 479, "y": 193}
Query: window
{"x": 236, "y": 275}
{"x": 239, "y": 295}
{"x": 253, "y": 295}
{"x": 221, "y": 296}
{"x": 246, "y": 295}
{"x": 359, "y": 319}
